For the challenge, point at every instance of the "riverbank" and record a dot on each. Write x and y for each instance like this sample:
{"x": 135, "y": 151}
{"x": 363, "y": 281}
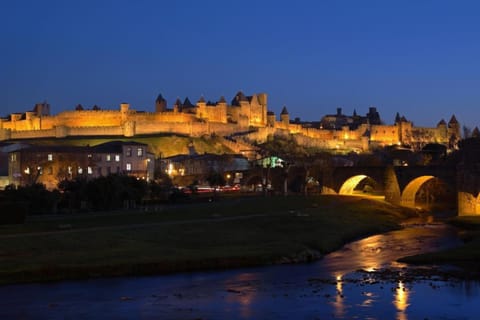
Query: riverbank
{"x": 467, "y": 256}
{"x": 222, "y": 234}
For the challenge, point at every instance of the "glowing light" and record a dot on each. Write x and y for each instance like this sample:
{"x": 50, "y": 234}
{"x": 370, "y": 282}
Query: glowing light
{"x": 408, "y": 194}
{"x": 349, "y": 185}
{"x": 401, "y": 300}
{"x": 338, "y": 304}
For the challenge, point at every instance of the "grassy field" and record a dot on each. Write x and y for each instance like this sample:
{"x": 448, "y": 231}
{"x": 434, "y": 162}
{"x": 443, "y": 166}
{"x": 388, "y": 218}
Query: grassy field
{"x": 221, "y": 234}
{"x": 466, "y": 256}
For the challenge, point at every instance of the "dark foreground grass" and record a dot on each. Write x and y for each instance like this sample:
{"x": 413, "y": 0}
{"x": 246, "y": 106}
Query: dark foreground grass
{"x": 467, "y": 256}
{"x": 224, "y": 234}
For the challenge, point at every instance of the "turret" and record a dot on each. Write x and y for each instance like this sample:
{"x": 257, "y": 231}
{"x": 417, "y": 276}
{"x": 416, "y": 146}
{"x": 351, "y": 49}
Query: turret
{"x": 201, "y": 108}
{"x": 453, "y": 132}
{"x": 284, "y": 116}
{"x": 160, "y": 104}
{"x": 177, "y": 106}
{"x": 397, "y": 118}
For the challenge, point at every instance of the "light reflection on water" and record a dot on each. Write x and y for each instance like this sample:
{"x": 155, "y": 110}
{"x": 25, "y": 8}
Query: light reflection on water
{"x": 401, "y": 301}
{"x": 328, "y": 289}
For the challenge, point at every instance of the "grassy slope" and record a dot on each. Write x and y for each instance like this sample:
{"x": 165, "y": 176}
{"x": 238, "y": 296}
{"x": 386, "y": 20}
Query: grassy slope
{"x": 467, "y": 256}
{"x": 164, "y": 145}
{"x": 189, "y": 237}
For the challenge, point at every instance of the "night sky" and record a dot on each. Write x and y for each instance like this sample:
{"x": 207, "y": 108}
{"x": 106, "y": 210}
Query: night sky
{"x": 421, "y": 58}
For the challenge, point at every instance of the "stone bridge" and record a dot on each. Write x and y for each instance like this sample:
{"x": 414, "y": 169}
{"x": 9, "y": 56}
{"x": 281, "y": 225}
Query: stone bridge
{"x": 403, "y": 185}
{"x": 399, "y": 185}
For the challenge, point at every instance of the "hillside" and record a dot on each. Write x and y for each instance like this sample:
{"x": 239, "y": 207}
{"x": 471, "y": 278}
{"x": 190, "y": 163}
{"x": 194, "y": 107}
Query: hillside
{"x": 162, "y": 145}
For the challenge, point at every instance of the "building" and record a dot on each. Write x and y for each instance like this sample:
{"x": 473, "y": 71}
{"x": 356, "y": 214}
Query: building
{"x": 49, "y": 165}
{"x": 201, "y": 165}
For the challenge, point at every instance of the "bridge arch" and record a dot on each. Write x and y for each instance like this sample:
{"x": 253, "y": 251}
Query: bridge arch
{"x": 429, "y": 192}
{"x": 353, "y": 183}
{"x": 410, "y": 191}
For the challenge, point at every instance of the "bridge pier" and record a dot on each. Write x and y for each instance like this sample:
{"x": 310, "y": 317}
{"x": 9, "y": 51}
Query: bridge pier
{"x": 468, "y": 204}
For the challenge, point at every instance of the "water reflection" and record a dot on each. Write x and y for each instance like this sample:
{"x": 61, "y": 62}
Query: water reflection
{"x": 338, "y": 304}
{"x": 400, "y": 301}
{"x": 241, "y": 293}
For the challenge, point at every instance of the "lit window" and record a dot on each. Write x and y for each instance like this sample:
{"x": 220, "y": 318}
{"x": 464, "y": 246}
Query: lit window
{"x": 50, "y": 157}
{"x": 27, "y": 170}
{"x": 13, "y": 157}
{"x": 69, "y": 169}
{"x": 129, "y": 152}
{"x": 117, "y": 158}
{"x": 140, "y": 152}
{"x": 80, "y": 170}
{"x": 108, "y": 157}
{"x": 89, "y": 170}
{"x": 129, "y": 167}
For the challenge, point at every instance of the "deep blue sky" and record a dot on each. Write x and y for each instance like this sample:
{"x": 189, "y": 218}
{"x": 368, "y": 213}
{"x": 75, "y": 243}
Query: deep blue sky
{"x": 421, "y": 58}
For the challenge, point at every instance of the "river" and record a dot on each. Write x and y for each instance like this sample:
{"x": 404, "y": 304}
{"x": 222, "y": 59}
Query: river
{"x": 340, "y": 286}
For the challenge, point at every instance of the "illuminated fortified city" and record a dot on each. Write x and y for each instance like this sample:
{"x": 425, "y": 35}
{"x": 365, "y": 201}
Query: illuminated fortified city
{"x": 247, "y": 118}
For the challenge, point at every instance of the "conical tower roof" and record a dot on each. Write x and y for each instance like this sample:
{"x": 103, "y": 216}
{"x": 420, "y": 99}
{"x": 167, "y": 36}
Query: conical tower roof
{"x": 453, "y": 120}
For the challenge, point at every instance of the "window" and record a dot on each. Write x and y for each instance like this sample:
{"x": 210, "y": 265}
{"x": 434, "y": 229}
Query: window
{"x": 50, "y": 157}
{"x": 99, "y": 171}
{"x": 69, "y": 170}
{"x": 140, "y": 152}
{"x": 80, "y": 170}
{"x": 50, "y": 170}
{"x": 109, "y": 170}
{"x": 13, "y": 157}
{"x": 108, "y": 157}
{"x": 129, "y": 152}
{"x": 117, "y": 158}
{"x": 89, "y": 170}
{"x": 129, "y": 166}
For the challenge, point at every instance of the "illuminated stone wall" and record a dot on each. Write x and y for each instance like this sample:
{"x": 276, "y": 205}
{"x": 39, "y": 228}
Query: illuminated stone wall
{"x": 220, "y": 119}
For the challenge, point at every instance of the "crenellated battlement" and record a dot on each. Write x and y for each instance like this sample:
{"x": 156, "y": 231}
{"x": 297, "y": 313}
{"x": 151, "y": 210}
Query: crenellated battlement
{"x": 243, "y": 113}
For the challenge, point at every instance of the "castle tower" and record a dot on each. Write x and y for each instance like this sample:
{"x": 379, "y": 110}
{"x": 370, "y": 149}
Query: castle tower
{"x": 284, "y": 116}
{"x": 397, "y": 118}
{"x": 453, "y": 132}
{"x": 262, "y": 100}
{"x": 177, "y": 106}
{"x": 270, "y": 119}
{"x": 222, "y": 109}
{"x": 373, "y": 116}
{"x": 124, "y": 108}
{"x": 160, "y": 104}
{"x": 187, "y": 106}
{"x": 42, "y": 109}
{"x": 201, "y": 109}
{"x": 442, "y": 130}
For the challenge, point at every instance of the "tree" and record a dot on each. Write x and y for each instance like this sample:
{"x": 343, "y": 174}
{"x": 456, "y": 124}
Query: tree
{"x": 215, "y": 179}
